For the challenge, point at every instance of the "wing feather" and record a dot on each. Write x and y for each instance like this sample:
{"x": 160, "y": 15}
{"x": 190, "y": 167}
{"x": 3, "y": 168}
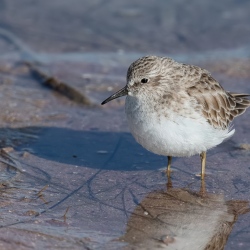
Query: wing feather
{"x": 218, "y": 106}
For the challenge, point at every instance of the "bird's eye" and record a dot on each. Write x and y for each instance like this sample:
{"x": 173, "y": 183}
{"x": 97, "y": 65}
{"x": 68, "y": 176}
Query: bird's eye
{"x": 144, "y": 80}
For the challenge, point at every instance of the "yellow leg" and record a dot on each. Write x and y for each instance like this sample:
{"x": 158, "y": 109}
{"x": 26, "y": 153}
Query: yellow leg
{"x": 169, "y": 183}
{"x": 169, "y": 164}
{"x": 203, "y": 156}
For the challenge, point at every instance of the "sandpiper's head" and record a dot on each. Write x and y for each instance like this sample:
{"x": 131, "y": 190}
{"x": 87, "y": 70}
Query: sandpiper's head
{"x": 143, "y": 73}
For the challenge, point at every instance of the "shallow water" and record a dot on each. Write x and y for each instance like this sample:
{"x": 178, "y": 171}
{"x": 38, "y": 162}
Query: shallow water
{"x": 72, "y": 176}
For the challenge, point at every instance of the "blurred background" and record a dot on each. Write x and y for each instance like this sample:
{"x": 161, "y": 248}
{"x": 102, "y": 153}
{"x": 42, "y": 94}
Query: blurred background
{"x": 167, "y": 27}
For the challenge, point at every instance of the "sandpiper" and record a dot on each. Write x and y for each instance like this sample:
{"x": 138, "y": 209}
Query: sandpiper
{"x": 175, "y": 109}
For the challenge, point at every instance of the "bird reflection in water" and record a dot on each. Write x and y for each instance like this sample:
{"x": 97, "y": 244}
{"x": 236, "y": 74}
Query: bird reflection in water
{"x": 179, "y": 218}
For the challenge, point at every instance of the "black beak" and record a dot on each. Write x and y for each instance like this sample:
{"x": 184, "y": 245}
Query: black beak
{"x": 121, "y": 92}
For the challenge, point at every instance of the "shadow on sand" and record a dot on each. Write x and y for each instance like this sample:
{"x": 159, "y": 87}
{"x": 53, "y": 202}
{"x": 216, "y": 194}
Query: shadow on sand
{"x": 94, "y": 149}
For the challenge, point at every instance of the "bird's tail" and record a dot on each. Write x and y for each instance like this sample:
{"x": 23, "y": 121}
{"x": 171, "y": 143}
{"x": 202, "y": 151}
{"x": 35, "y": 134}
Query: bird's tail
{"x": 242, "y": 102}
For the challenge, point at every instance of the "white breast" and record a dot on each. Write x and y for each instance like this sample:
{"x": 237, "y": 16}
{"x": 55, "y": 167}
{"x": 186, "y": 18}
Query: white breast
{"x": 174, "y": 135}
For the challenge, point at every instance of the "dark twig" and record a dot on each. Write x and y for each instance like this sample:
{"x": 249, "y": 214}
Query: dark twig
{"x": 61, "y": 87}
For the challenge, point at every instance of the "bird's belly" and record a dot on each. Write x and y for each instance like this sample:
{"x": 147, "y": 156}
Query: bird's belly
{"x": 178, "y": 136}
{"x": 168, "y": 138}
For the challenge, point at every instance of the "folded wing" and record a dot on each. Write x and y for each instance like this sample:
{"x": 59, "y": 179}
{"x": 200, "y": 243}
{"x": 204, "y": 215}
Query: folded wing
{"x": 218, "y": 106}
